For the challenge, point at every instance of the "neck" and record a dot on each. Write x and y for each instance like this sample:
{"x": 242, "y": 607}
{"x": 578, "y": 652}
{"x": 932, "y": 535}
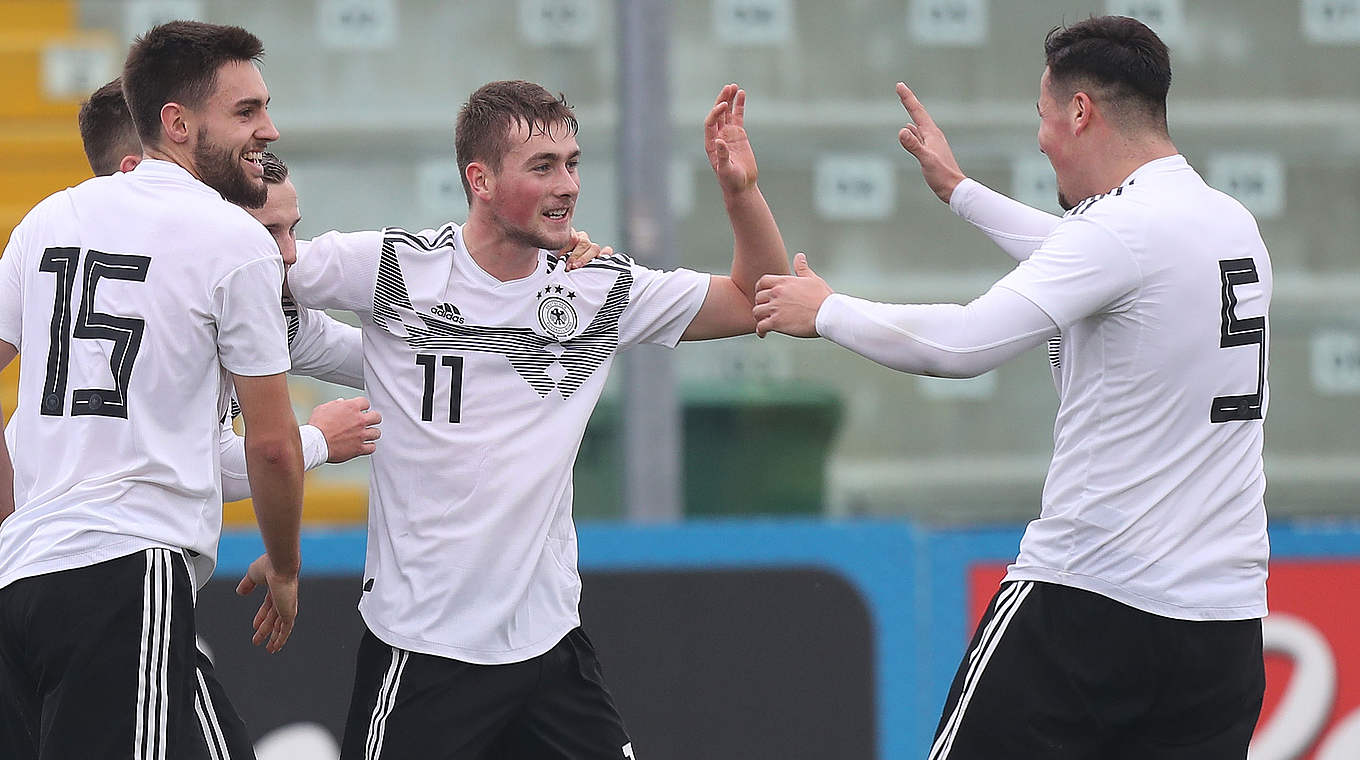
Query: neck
{"x": 175, "y": 154}
{"x": 1124, "y": 157}
{"x": 496, "y": 253}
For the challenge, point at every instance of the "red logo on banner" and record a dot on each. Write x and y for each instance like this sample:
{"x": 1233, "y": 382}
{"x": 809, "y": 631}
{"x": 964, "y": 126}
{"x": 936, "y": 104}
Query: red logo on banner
{"x": 1312, "y": 641}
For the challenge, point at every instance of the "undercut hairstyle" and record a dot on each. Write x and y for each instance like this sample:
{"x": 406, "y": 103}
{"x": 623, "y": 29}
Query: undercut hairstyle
{"x": 275, "y": 170}
{"x": 1118, "y": 61}
{"x": 177, "y": 62}
{"x": 106, "y": 129}
{"x": 484, "y": 123}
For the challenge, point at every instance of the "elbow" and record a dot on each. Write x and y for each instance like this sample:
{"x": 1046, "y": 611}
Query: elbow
{"x": 277, "y": 452}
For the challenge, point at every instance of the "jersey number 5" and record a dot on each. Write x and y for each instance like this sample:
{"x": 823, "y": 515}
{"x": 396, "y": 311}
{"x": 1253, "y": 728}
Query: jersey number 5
{"x": 1236, "y": 332}
{"x": 124, "y": 332}
{"x": 455, "y": 365}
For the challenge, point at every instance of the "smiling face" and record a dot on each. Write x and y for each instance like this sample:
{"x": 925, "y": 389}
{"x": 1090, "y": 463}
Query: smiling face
{"x": 534, "y": 192}
{"x": 232, "y": 129}
{"x": 280, "y": 215}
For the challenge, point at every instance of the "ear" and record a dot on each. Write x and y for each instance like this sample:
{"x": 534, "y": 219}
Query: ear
{"x": 173, "y": 124}
{"x": 129, "y": 163}
{"x": 1082, "y": 108}
{"x": 481, "y": 179}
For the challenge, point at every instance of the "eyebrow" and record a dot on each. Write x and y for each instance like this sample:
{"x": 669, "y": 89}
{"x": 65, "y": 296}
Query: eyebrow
{"x": 252, "y": 102}
{"x": 548, "y": 155}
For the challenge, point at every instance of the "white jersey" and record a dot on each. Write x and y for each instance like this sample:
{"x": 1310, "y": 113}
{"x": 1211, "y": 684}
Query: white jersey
{"x": 1155, "y": 496}
{"x": 130, "y": 298}
{"x": 485, "y": 388}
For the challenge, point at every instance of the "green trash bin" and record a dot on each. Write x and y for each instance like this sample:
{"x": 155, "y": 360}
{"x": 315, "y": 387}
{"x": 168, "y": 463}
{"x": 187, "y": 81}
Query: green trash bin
{"x": 750, "y": 449}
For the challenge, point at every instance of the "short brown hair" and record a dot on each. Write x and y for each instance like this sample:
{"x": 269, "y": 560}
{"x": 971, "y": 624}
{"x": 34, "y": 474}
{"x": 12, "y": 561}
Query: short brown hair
{"x": 484, "y": 122}
{"x": 1120, "y": 58}
{"x": 275, "y": 170}
{"x": 177, "y": 62}
{"x": 106, "y": 129}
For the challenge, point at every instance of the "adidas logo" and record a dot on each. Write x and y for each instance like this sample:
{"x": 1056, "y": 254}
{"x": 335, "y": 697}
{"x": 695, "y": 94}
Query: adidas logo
{"x": 448, "y": 311}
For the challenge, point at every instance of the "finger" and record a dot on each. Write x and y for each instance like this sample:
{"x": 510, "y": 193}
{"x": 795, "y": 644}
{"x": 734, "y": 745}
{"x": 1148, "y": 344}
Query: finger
{"x": 910, "y": 138}
{"x": 245, "y": 586}
{"x": 713, "y": 123}
{"x": 725, "y": 94}
{"x": 359, "y": 403}
{"x": 372, "y": 418}
{"x": 915, "y": 110}
{"x": 371, "y": 434}
{"x": 800, "y": 265}
{"x": 763, "y": 327}
{"x": 739, "y": 108}
{"x": 281, "y": 633}
{"x": 367, "y": 448}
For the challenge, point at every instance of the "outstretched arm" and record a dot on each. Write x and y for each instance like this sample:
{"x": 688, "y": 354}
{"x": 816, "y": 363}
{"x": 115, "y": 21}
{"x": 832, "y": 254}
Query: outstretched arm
{"x": 758, "y": 248}
{"x": 1018, "y": 229}
{"x": 942, "y": 340}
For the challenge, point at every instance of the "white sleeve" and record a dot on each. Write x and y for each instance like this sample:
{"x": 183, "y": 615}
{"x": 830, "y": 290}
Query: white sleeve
{"x": 232, "y": 450}
{"x": 1017, "y": 228}
{"x": 12, "y": 289}
{"x": 661, "y": 305}
{"x": 252, "y": 338}
{"x": 941, "y": 340}
{"x": 327, "y": 349}
{"x": 1081, "y": 269}
{"x": 338, "y": 270}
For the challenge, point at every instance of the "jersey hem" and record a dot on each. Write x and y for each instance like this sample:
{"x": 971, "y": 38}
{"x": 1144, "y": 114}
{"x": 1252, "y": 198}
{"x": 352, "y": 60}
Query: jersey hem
{"x": 463, "y": 654}
{"x": 83, "y": 559}
{"x": 1137, "y": 601}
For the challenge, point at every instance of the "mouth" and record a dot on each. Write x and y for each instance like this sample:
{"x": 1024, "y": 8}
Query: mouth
{"x": 557, "y": 215}
{"x": 255, "y": 159}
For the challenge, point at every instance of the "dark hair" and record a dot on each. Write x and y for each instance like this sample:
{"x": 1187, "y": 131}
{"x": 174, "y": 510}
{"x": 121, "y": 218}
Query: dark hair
{"x": 177, "y": 62}
{"x": 1119, "y": 59}
{"x": 275, "y": 170}
{"x": 106, "y": 129}
{"x": 484, "y": 122}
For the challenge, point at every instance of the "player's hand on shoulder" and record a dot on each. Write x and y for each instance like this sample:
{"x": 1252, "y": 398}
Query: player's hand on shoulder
{"x": 582, "y": 251}
{"x": 349, "y": 426}
{"x": 725, "y": 141}
{"x": 925, "y": 140}
{"x": 273, "y": 623}
{"x": 789, "y": 303}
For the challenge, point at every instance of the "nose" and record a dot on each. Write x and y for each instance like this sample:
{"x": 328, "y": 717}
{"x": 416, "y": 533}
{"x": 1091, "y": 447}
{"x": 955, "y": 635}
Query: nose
{"x": 267, "y": 131}
{"x": 569, "y": 183}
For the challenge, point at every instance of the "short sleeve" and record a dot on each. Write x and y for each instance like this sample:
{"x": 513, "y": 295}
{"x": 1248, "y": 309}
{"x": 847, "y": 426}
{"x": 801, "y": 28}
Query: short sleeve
{"x": 252, "y": 338}
{"x": 1081, "y": 269}
{"x": 338, "y": 270}
{"x": 661, "y": 305}
{"x": 12, "y": 290}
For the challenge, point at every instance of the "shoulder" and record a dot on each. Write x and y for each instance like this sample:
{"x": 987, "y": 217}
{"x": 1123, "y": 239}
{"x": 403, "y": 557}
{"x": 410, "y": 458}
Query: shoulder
{"x": 424, "y": 241}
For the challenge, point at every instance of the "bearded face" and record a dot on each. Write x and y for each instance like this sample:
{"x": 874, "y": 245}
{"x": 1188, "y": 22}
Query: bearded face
{"x": 221, "y": 169}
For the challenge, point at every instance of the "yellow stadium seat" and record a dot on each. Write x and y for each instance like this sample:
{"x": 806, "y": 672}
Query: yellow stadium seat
{"x": 321, "y": 503}
{"x": 38, "y": 15}
{"x": 21, "y": 57}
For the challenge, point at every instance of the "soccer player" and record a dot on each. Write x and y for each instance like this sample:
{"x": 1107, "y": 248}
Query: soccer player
{"x": 135, "y": 299}
{"x": 1129, "y": 625}
{"x": 486, "y": 357}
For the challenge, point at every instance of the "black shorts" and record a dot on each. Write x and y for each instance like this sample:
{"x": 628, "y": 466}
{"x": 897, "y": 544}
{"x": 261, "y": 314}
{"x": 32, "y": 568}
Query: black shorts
{"x": 219, "y": 732}
{"x": 1055, "y": 672}
{"x": 407, "y": 705}
{"x": 98, "y": 661}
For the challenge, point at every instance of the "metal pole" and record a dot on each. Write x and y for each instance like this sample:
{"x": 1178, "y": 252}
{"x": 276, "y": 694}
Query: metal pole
{"x": 653, "y": 437}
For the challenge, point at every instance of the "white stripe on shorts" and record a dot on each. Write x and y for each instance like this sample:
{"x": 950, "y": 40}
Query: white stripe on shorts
{"x": 1007, "y": 603}
{"x": 387, "y": 699}
{"x": 153, "y": 676}
{"x": 207, "y": 720}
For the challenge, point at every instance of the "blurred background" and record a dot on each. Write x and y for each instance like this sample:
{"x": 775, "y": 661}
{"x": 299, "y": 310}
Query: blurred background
{"x": 782, "y": 436}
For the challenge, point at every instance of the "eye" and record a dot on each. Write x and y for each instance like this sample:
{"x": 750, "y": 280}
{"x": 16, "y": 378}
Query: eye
{"x": 573, "y": 163}
{"x": 542, "y": 168}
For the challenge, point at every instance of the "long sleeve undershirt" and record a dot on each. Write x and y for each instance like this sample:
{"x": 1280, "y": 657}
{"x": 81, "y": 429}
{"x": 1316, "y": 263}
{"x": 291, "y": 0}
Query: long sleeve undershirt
{"x": 942, "y": 340}
{"x": 1018, "y": 229}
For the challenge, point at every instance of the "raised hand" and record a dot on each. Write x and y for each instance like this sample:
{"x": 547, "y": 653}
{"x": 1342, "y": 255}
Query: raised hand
{"x": 273, "y": 622}
{"x": 582, "y": 251}
{"x": 725, "y": 142}
{"x": 789, "y": 303}
{"x": 925, "y": 140}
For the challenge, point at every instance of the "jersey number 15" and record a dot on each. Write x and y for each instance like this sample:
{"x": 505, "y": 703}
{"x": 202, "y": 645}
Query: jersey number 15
{"x": 124, "y": 332}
